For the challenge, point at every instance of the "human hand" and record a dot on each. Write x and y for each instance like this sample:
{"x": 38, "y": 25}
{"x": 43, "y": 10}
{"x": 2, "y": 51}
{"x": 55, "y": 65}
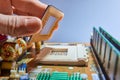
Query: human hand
{"x": 22, "y": 24}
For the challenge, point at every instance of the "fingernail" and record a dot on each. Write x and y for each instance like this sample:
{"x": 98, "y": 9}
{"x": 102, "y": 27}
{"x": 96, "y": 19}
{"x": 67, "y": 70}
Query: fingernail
{"x": 33, "y": 24}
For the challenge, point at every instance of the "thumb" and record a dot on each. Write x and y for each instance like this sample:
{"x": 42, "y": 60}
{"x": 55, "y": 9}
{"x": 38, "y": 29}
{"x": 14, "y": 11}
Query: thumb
{"x": 19, "y": 25}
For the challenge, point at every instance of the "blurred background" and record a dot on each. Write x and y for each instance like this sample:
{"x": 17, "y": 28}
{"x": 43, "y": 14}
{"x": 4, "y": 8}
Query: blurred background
{"x": 82, "y": 15}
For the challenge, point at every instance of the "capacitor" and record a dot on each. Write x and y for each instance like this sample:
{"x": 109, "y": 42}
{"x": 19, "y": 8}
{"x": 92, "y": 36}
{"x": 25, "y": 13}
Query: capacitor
{"x": 84, "y": 76}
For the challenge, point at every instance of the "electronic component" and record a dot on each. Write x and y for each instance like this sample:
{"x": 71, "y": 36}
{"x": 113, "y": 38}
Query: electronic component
{"x": 115, "y": 42}
{"x": 14, "y": 74}
{"x": 99, "y": 46}
{"x": 42, "y": 71}
{"x": 24, "y": 77}
{"x": 107, "y": 51}
{"x": 107, "y": 57}
{"x": 95, "y": 77}
{"x": 64, "y": 54}
{"x": 10, "y": 51}
{"x": 83, "y": 76}
{"x": 103, "y": 46}
{"x": 41, "y": 74}
{"x": 112, "y": 64}
{"x": 50, "y": 22}
{"x": 62, "y": 61}
{"x": 59, "y": 76}
{"x": 117, "y": 76}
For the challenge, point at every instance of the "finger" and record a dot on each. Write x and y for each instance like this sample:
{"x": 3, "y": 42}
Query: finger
{"x": 30, "y": 7}
{"x": 5, "y": 7}
{"x": 19, "y": 25}
{"x": 19, "y": 12}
